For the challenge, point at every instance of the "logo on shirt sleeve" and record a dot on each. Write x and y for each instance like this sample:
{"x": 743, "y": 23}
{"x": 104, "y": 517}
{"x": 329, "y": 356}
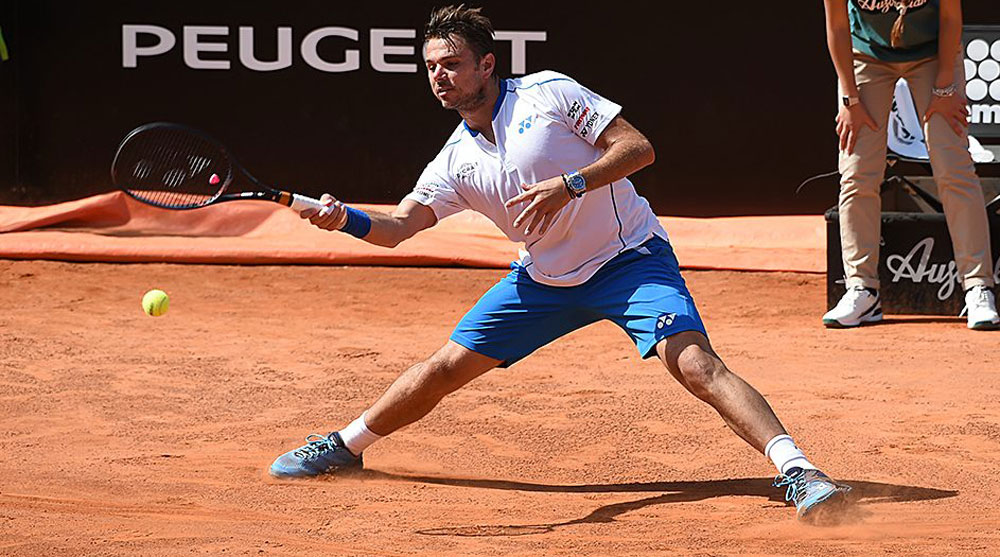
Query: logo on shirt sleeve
{"x": 588, "y": 128}
{"x": 574, "y": 110}
{"x": 581, "y": 119}
{"x": 585, "y": 118}
{"x": 424, "y": 193}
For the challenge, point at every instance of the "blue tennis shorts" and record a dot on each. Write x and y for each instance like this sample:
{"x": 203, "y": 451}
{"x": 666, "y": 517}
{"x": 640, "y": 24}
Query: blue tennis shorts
{"x": 641, "y": 290}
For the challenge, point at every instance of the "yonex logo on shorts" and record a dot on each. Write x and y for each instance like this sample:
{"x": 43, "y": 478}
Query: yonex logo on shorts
{"x": 665, "y": 320}
{"x": 982, "y": 76}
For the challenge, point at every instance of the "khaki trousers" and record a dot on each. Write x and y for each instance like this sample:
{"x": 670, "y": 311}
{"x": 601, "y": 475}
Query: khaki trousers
{"x": 863, "y": 171}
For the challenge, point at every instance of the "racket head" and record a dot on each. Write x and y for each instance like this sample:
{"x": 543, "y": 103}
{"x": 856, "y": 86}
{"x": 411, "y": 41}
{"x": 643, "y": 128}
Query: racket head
{"x": 172, "y": 166}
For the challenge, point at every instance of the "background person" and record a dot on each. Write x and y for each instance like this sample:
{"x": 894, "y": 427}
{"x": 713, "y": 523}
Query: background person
{"x": 873, "y": 43}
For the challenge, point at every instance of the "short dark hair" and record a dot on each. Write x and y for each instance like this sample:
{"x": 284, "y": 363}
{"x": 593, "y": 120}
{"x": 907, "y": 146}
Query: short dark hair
{"x": 469, "y": 23}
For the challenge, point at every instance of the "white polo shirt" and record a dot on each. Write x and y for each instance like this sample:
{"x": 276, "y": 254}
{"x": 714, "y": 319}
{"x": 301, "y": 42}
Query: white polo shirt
{"x": 545, "y": 125}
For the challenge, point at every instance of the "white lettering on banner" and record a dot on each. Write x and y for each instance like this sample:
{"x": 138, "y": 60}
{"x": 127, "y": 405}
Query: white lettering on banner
{"x": 902, "y": 267}
{"x": 985, "y": 114}
{"x": 380, "y": 50}
{"x": 352, "y": 58}
{"x": 192, "y": 46}
{"x": 131, "y": 50}
{"x": 982, "y": 79}
{"x": 518, "y": 40}
{"x": 251, "y": 62}
{"x": 195, "y": 42}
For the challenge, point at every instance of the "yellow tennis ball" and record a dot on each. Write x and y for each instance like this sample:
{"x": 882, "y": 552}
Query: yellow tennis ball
{"x": 155, "y": 302}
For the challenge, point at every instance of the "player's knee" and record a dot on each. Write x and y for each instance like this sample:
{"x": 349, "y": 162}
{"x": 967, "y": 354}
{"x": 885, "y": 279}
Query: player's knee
{"x": 439, "y": 376}
{"x": 700, "y": 371}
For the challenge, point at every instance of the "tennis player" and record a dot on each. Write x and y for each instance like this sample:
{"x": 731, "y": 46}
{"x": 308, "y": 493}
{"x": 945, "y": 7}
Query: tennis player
{"x": 546, "y": 159}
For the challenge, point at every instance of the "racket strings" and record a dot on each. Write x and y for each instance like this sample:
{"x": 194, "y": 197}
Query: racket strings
{"x": 172, "y": 167}
{"x": 183, "y": 191}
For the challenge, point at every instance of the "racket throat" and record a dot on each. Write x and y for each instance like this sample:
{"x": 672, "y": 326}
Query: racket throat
{"x": 285, "y": 198}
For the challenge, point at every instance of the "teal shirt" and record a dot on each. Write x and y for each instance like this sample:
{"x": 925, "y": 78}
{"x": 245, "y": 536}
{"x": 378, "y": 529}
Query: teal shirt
{"x": 871, "y": 29}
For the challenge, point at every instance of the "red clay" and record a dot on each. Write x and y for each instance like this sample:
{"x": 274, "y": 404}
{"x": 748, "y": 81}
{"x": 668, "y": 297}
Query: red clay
{"x": 122, "y": 434}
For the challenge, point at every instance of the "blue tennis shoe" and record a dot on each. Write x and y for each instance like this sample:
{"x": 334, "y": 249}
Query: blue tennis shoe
{"x": 818, "y": 499}
{"x": 320, "y": 455}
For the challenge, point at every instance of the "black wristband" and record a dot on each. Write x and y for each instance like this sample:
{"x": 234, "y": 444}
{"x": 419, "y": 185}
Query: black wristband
{"x": 568, "y": 189}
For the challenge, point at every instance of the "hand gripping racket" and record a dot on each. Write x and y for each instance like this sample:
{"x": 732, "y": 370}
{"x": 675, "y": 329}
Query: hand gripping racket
{"x": 176, "y": 167}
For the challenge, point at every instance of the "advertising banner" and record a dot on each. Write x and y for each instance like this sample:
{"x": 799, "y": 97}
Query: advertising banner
{"x": 916, "y": 269}
{"x": 981, "y": 47}
{"x": 333, "y": 97}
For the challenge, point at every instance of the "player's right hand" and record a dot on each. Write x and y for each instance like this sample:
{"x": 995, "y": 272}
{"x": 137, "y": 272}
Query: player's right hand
{"x": 850, "y": 121}
{"x": 333, "y": 217}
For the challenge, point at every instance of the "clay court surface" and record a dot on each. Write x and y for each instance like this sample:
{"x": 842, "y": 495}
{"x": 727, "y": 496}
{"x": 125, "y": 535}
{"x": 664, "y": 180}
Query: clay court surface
{"x": 122, "y": 434}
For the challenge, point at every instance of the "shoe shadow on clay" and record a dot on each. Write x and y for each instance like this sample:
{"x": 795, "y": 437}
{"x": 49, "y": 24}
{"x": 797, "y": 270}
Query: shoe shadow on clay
{"x": 863, "y": 493}
{"x": 920, "y": 319}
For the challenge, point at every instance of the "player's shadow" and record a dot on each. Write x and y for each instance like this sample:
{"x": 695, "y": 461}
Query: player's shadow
{"x": 669, "y": 492}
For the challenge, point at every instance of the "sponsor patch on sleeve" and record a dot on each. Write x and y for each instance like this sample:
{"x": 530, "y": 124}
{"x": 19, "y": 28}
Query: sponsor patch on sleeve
{"x": 584, "y": 118}
{"x": 588, "y": 127}
{"x": 574, "y": 110}
{"x": 423, "y": 193}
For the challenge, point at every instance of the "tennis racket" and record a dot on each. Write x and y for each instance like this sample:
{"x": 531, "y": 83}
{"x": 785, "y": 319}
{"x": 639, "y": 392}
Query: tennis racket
{"x": 176, "y": 167}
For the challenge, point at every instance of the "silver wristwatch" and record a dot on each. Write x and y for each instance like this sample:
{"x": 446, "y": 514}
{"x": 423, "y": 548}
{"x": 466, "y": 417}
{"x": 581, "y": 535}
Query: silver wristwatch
{"x": 575, "y": 183}
{"x": 944, "y": 91}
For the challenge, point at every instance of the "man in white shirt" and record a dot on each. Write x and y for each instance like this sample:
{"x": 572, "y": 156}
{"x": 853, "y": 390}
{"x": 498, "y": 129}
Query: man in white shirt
{"x": 546, "y": 159}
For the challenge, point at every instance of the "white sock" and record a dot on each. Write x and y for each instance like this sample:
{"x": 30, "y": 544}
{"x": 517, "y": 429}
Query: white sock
{"x": 357, "y": 437}
{"x": 785, "y": 455}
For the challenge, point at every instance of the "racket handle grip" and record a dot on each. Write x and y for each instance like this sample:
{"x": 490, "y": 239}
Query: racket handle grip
{"x": 302, "y": 202}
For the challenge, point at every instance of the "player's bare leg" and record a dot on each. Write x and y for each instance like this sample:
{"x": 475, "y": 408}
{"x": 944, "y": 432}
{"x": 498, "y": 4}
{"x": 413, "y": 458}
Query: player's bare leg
{"x": 690, "y": 359}
{"x": 418, "y": 390}
{"x": 410, "y": 397}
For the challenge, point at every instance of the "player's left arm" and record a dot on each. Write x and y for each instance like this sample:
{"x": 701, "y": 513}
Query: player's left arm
{"x": 626, "y": 151}
{"x": 950, "y": 107}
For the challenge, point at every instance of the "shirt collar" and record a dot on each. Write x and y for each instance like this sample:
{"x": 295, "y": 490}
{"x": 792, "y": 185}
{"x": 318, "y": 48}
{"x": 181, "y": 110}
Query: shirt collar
{"x": 496, "y": 107}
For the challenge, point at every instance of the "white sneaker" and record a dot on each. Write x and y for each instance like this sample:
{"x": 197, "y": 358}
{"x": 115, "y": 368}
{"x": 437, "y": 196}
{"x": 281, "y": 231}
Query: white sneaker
{"x": 857, "y": 306}
{"x": 981, "y": 308}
